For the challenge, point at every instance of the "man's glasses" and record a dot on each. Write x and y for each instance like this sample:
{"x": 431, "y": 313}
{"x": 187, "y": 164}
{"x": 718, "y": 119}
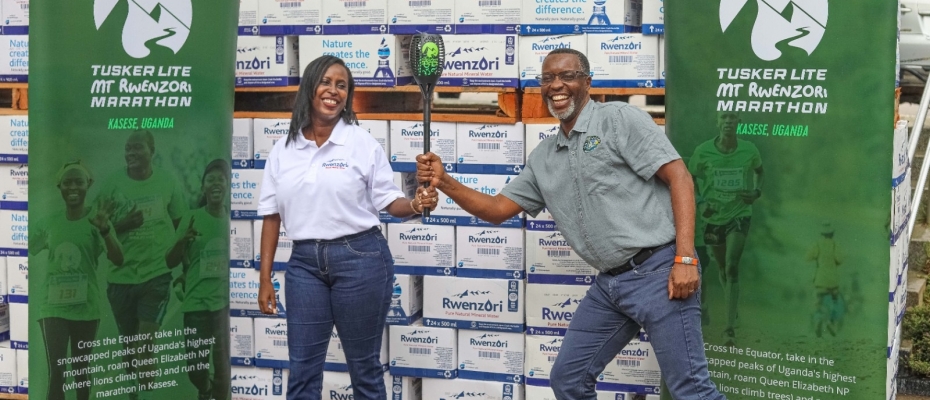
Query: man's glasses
{"x": 565, "y": 77}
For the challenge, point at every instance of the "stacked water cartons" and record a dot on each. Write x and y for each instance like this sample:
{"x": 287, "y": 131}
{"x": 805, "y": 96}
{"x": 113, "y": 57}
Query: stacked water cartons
{"x": 266, "y": 61}
{"x": 248, "y": 383}
{"x": 14, "y": 264}
{"x": 654, "y": 24}
{"x": 533, "y": 50}
{"x": 470, "y": 339}
{"x": 473, "y": 327}
{"x": 408, "y": 17}
{"x": 14, "y": 218}
{"x": 14, "y": 187}
{"x": 14, "y": 41}
{"x": 483, "y": 50}
{"x": 654, "y": 17}
{"x": 898, "y": 270}
{"x": 629, "y": 60}
{"x": 582, "y": 16}
{"x": 357, "y": 31}
{"x": 608, "y": 33}
{"x": 265, "y": 54}
{"x": 375, "y": 60}
{"x": 258, "y": 343}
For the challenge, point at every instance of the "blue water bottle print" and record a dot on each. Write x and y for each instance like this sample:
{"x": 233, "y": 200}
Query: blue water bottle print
{"x": 384, "y": 64}
{"x": 599, "y": 15}
{"x": 277, "y": 294}
{"x": 397, "y": 310}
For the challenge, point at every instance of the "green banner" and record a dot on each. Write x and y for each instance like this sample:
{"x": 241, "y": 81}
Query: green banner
{"x": 783, "y": 111}
{"x": 131, "y": 116}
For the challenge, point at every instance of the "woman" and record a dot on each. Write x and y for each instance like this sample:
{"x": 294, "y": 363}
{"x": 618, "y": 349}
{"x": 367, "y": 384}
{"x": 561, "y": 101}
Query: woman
{"x": 326, "y": 183}
{"x": 202, "y": 248}
{"x": 74, "y": 238}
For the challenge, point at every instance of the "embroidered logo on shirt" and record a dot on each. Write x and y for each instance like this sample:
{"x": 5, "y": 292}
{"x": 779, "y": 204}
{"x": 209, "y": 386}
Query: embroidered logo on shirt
{"x": 591, "y": 143}
{"x": 336, "y": 163}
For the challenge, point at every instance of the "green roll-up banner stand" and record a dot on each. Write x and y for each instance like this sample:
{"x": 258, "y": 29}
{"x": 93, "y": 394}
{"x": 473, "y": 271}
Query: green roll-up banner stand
{"x": 131, "y": 115}
{"x": 784, "y": 112}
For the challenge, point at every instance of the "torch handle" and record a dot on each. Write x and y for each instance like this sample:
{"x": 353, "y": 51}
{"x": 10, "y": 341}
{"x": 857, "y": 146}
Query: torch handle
{"x": 427, "y": 106}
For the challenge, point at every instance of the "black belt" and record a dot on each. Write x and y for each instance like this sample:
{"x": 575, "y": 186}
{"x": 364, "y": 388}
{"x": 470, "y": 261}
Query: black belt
{"x": 638, "y": 259}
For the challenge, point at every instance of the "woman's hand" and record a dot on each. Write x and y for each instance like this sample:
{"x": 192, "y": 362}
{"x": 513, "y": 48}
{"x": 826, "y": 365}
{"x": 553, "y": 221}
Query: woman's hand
{"x": 425, "y": 198}
{"x": 267, "y": 301}
{"x": 101, "y": 220}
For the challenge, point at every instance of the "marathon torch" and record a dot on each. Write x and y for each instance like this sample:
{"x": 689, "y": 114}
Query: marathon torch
{"x": 427, "y": 54}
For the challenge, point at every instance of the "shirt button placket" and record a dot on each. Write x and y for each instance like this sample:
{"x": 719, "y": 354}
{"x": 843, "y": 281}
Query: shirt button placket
{"x": 577, "y": 173}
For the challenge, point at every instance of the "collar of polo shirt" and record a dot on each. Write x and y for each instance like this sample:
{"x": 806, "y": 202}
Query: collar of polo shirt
{"x": 339, "y": 136}
{"x": 581, "y": 125}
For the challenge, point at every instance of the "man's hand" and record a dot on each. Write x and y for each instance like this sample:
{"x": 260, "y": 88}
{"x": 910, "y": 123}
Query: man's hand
{"x": 180, "y": 286}
{"x": 750, "y": 196}
{"x": 708, "y": 211}
{"x": 267, "y": 301}
{"x": 133, "y": 220}
{"x": 430, "y": 169}
{"x": 683, "y": 281}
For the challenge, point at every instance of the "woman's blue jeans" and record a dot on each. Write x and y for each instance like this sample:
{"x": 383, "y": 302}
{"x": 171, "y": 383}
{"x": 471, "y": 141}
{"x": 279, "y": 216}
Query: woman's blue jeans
{"x": 346, "y": 282}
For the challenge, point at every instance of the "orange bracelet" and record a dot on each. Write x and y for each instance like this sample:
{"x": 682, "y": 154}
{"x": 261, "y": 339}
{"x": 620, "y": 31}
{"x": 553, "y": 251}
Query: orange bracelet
{"x": 686, "y": 260}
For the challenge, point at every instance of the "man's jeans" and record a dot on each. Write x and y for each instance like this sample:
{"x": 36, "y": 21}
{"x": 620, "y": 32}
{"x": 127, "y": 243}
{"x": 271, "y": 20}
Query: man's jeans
{"x": 347, "y": 282}
{"x": 611, "y": 314}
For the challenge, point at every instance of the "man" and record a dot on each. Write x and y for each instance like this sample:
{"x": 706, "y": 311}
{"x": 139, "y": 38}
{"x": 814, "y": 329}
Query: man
{"x": 624, "y": 201}
{"x": 830, "y": 303}
{"x": 728, "y": 176}
{"x": 150, "y": 207}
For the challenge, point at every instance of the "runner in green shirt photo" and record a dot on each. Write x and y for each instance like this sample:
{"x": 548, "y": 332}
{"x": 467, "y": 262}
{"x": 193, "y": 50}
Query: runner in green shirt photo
{"x": 830, "y": 306}
{"x": 75, "y": 238}
{"x": 202, "y": 248}
{"x": 149, "y": 204}
{"x": 728, "y": 180}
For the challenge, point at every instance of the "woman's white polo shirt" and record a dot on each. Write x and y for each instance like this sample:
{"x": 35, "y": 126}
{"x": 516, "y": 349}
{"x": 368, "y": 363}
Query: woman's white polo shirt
{"x": 330, "y": 191}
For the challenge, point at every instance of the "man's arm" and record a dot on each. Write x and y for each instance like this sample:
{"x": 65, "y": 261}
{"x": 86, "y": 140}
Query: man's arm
{"x": 494, "y": 209}
{"x": 684, "y": 279}
{"x": 759, "y": 180}
{"x": 813, "y": 253}
{"x": 750, "y": 196}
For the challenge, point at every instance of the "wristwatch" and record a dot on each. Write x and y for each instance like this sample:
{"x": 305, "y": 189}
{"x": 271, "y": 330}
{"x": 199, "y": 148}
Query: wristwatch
{"x": 686, "y": 260}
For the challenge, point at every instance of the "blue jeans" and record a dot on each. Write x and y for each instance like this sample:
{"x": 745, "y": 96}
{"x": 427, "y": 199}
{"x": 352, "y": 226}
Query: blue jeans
{"x": 611, "y": 314}
{"x": 346, "y": 282}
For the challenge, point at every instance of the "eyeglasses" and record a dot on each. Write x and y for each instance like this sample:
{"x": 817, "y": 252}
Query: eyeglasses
{"x": 565, "y": 77}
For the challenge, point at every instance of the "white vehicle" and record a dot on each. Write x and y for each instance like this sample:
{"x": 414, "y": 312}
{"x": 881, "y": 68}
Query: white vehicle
{"x": 915, "y": 48}
{"x": 915, "y": 32}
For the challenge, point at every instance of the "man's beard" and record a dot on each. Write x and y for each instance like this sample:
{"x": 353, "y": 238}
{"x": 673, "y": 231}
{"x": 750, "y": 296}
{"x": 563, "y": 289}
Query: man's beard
{"x": 564, "y": 115}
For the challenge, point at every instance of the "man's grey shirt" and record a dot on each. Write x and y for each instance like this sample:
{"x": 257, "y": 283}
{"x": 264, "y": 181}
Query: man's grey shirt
{"x": 599, "y": 184}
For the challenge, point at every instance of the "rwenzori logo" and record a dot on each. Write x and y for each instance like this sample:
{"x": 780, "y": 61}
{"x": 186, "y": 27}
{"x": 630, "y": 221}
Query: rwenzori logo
{"x": 802, "y": 23}
{"x": 167, "y": 22}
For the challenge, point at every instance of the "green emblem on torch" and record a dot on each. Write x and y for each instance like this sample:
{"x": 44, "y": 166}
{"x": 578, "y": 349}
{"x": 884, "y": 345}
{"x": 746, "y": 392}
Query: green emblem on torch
{"x": 429, "y": 59}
